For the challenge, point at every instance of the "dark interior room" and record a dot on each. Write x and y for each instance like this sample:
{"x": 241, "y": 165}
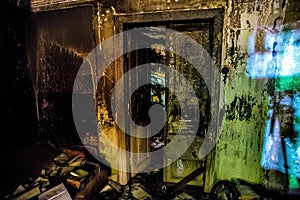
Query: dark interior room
{"x": 156, "y": 99}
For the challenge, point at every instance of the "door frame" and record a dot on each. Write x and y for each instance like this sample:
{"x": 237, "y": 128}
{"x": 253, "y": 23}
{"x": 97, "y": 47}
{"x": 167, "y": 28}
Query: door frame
{"x": 217, "y": 17}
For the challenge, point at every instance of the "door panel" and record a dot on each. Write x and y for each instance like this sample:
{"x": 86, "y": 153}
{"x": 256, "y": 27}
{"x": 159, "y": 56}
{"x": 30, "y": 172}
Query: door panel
{"x": 206, "y": 30}
{"x": 142, "y": 99}
{"x": 189, "y": 161}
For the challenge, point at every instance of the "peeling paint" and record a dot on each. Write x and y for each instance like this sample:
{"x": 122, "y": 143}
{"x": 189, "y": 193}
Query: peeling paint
{"x": 241, "y": 108}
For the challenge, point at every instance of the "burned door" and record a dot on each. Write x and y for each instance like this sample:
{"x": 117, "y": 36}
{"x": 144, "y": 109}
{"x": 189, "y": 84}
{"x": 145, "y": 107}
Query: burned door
{"x": 204, "y": 27}
{"x": 59, "y": 41}
{"x": 143, "y": 97}
{"x": 156, "y": 93}
{"x": 185, "y": 115}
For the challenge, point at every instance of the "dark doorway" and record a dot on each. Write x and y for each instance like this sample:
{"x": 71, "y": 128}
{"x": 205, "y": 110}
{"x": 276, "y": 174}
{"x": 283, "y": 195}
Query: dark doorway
{"x": 156, "y": 92}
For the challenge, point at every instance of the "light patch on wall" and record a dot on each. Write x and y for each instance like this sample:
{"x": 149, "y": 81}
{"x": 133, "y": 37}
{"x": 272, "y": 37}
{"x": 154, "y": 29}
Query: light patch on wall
{"x": 249, "y": 21}
{"x": 243, "y": 42}
{"x": 279, "y": 58}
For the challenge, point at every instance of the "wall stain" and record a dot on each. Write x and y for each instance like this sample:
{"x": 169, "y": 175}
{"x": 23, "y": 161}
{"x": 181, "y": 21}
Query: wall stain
{"x": 240, "y": 108}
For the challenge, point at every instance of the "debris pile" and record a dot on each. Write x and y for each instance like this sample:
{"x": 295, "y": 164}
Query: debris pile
{"x": 71, "y": 171}
{"x": 150, "y": 186}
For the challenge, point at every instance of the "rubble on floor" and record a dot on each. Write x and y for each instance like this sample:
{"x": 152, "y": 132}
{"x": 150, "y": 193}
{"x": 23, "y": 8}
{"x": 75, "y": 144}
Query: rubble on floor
{"x": 71, "y": 172}
{"x": 150, "y": 186}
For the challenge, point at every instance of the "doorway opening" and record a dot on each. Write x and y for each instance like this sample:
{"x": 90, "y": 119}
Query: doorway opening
{"x": 160, "y": 90}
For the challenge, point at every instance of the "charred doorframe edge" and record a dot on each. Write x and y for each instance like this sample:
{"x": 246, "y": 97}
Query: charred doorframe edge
{"x": 216, "y": 15}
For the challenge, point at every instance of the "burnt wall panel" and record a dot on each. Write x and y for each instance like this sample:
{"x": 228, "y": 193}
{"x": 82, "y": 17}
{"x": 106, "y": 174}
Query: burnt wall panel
{"x": 57, "y": 42}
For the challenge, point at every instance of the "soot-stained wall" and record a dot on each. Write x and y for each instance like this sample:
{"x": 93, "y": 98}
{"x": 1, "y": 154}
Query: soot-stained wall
{"x": 57, "y": 42}
{"x": 239, "y": 150}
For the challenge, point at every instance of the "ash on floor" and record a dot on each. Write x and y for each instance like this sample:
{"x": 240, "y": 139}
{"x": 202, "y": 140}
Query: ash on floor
{"x": 150, "y": 186}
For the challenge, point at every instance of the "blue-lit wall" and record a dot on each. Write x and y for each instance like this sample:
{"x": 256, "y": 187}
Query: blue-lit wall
{"x": 279, "y": 62}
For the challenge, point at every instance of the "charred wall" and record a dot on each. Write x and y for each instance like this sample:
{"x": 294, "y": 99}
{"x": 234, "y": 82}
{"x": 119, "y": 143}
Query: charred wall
{"x": 58, "y": 40}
